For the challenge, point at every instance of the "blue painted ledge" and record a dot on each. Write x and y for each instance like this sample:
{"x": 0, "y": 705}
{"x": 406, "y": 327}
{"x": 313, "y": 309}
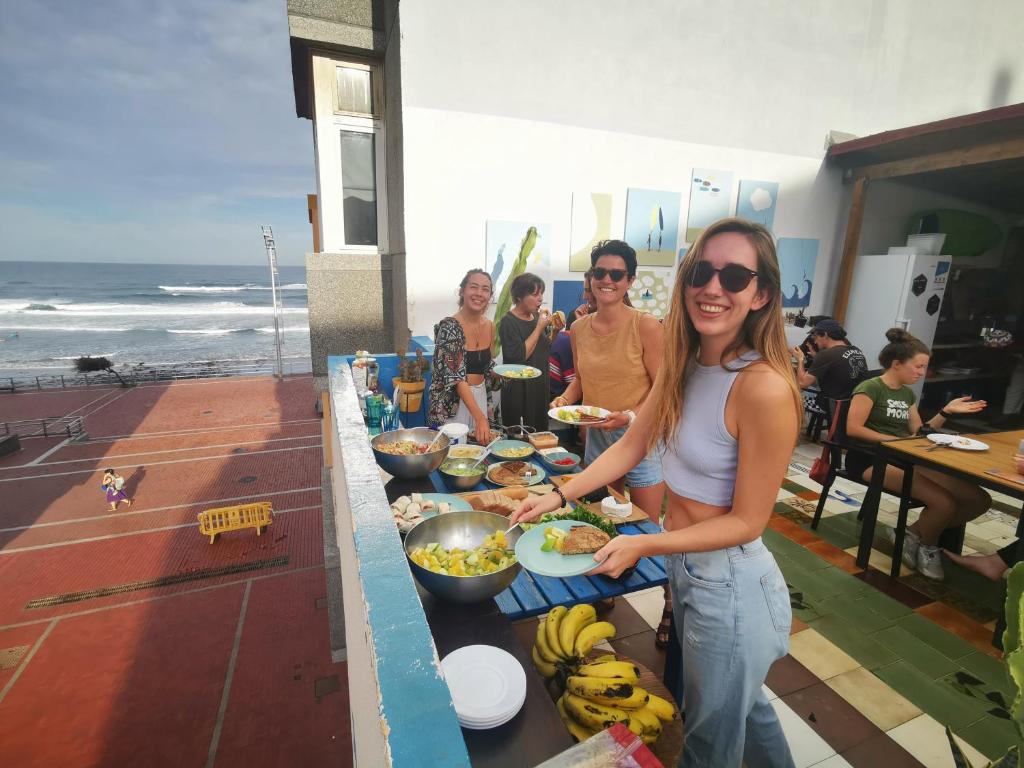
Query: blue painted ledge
{"x": 402, "y": 712}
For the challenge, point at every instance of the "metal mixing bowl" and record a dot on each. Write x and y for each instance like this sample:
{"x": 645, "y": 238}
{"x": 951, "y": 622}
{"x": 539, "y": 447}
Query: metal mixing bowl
{"x": 416, "y": 465}
{"x": 462, "y": 482}
{"x": 465, "y": 530}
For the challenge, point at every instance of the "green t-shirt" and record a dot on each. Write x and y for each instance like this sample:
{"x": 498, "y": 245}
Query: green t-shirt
{"x": 890, "y": 408}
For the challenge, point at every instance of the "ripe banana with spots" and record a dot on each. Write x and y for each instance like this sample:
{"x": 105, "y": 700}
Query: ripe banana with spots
{"x": 551, "y": 627}
{"x": 545, "y": 668}
{"x": 592, "y": 635}
{"x": 592, "y": 715}
{"x": 577, "y": 731}
{"x": 578, "y": 617}
{"x": 649, "y": 723}
{"x": 541, "y": 644}
{"x": 611, "y": 693}
{"x": 618, "y": 670}
{"x": 665, "y": 710}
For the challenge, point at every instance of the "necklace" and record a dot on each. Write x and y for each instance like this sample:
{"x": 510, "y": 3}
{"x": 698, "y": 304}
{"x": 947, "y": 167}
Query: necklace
{"x": 477, "y": 328}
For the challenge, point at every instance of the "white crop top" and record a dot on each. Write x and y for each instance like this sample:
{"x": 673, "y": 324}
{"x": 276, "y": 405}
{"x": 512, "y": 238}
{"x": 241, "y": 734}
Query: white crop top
{"x": 700, "y": 463}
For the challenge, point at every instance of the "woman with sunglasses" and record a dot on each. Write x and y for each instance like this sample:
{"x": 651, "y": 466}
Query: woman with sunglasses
{"x": 724, "y": 415}
{"x": 463, "y": 369}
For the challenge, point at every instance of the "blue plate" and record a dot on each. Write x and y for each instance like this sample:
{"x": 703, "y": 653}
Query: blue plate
{"x": 529, "y": 554}
{"x": 516, "y": 371}
{"x": 549, "y": 461}
{"x": 537, "y": 476}
{"x": 458, "y": 504}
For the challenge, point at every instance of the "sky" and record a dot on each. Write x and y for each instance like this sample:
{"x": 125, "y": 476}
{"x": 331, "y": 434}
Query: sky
{"x": 157, "y": 131}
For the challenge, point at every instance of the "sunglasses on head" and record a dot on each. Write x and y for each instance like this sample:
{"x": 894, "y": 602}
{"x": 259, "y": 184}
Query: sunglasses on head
{"x": 732, "y": 277}
{"x": 600, "y": 273}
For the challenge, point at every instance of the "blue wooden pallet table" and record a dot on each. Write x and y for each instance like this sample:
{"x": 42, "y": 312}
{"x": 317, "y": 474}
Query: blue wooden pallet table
{"x": 531, "y": 594}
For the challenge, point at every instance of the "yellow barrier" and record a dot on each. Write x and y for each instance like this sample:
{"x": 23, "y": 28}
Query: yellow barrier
{"x": 214, "y": 522}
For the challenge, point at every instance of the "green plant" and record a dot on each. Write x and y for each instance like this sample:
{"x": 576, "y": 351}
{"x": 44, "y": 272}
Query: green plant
{"x": 518, "y": 267}
{"x": 411, "y": 369}
{"x": 1014, "y": 656}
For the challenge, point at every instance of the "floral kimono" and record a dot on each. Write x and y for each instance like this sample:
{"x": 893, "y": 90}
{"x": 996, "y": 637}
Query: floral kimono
{"x": 449, "y": 368}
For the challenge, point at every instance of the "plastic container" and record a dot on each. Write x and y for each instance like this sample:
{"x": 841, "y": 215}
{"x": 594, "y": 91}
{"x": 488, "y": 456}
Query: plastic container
{"x": 457, "y": 433}
{"x": 927, "y": 244}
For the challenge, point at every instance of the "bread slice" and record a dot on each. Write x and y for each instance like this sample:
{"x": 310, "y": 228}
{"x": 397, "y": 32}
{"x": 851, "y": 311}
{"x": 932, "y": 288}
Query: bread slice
{"x": 583, "y": 539}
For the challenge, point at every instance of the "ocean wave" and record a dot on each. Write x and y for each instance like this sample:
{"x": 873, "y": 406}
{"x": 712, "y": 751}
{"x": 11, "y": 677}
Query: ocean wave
{"x": 138, "y": 310}
{"x": 180, "y": 289}
{"x": 71, "y": 328}
{"x": 295, "y": 329}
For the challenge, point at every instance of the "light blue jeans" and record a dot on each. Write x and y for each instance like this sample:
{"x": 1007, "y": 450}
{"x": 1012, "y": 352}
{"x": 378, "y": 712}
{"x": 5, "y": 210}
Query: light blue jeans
{"x": 643, "y": 475}
{"x": 732, "y": 617}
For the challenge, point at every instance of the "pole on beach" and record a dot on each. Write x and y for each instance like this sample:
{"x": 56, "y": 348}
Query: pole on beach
{"x": 268, "y": 243}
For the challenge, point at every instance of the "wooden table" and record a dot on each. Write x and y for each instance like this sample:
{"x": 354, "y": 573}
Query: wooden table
{"x": 972, "y": 466}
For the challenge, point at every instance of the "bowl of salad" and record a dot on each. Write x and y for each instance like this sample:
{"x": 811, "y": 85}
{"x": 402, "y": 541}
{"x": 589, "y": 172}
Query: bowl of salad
{"x": 462, "y": 474}
{"x": 463, "y": 557}
{"x": 403, "y": 452}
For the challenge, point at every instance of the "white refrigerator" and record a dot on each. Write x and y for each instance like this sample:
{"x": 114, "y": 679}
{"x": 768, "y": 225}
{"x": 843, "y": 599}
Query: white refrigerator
{"x": 899, "y": 289}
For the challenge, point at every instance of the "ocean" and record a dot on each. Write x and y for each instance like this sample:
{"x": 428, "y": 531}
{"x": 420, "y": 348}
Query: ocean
{"x": 155, "y": 314}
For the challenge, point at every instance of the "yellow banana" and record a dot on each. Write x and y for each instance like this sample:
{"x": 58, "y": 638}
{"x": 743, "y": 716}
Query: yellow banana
{"x": 551, "y": 626}
{"x": 577, "y": 731}
{"x": 649, "y": 720}
{"x": 665, "y": 710}
{"x": 621, "y": 670}
{"x": 605, "y": 658}
{"x": 592, "y": 635}
{"x": 578, "y": 617}
{"x": 592, "y": 715}
{"x": 545, "y": 668}
{"x": 541, "y": 644}
{"x": 596, "y": 688}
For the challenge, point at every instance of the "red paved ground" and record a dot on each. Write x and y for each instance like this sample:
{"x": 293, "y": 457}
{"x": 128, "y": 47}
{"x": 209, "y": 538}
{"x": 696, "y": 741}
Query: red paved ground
{"x": 137, "y": 678}
{"x": 51, "y": 402}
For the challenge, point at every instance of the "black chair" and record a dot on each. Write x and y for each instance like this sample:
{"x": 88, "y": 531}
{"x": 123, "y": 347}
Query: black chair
{"x": 838, "y": 444}
{"x": 819, "y": 414}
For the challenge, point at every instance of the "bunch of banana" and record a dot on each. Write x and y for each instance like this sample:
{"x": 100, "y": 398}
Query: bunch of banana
{"x": 566, "y": 636}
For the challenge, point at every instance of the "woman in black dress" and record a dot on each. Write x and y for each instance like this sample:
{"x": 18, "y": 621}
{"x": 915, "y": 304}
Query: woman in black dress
{"x": 524, "y": 341}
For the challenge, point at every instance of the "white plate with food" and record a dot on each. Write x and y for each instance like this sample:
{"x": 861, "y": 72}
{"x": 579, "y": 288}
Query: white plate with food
{"x": 957, "y": 441}
{"x": 517, "y": 371}
{"x": 512, "y": 473}
{"x": 579, "y": 415}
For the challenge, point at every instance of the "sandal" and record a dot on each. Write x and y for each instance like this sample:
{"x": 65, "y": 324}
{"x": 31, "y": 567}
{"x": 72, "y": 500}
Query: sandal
{"x": 662, "y": 634}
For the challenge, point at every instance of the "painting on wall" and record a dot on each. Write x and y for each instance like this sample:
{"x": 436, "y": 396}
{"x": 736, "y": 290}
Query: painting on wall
{"x": 566, "y": 295}
{"x": 756, "y": 201}
{"x": 652, "y": 291}
{"x": 591, "y": 222}
{"x": 710, "y": 194}
{"x": 797, "y": 259}
{"x": 505, "y": 257}
{"x": 652, "y": 226}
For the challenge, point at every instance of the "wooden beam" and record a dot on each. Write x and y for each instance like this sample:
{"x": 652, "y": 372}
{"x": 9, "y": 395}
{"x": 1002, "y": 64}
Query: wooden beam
{"x": 313, "y": 204}
{"x": 954, "y": 158}
{"x": 853, "y": 222}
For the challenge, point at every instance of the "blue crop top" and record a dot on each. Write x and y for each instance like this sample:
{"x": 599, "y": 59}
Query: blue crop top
{"x": 700, "y": 463}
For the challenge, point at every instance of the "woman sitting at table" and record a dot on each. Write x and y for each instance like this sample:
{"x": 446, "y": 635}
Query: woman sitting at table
{"x": 883, "y": 408}
{"x": 463, "y": 371}
{"x": 723, "y": 418}
{"x": 524, "y": 341}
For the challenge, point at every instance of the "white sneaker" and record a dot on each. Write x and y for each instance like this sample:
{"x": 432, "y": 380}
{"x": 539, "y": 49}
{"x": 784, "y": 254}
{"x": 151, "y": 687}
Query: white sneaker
{"x": 911, "y": 543}
{"x": 929, "y": 562}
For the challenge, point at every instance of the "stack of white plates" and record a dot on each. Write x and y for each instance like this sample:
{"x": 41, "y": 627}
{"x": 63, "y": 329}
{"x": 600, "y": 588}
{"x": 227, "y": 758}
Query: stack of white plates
{"x": 487, "y": 684}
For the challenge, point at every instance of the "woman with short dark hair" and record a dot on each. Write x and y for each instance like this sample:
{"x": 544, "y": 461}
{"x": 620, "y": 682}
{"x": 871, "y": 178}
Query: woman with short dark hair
{"x": 524, "y": 342}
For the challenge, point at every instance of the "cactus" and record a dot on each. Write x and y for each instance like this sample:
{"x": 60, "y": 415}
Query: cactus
{"x": 518, "y": 267}
{"x": 1014, "y": 656}
{"x": 411, "y": 370}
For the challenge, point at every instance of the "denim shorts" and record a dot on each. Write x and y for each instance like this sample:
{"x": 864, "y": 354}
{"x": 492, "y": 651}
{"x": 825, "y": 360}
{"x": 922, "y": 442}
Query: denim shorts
{"x": 643, "y": 475}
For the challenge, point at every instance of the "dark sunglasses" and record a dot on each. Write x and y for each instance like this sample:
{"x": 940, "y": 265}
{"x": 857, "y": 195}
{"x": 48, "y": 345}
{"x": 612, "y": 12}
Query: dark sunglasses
{"x": 732, "y": 277}
{"x": 600, "y": 273}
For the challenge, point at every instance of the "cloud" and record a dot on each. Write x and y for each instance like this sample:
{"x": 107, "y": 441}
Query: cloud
{"x": 175, "y": 114}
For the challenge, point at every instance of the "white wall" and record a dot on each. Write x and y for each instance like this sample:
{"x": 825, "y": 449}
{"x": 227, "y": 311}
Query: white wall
{"x": 510, "y": 107}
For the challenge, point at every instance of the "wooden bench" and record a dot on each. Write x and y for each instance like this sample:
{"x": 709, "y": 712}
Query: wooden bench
{"x": 214, "y": 522}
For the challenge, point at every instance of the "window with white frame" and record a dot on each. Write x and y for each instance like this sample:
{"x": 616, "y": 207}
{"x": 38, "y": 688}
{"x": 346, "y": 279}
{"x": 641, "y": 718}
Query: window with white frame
{"x": 350, "y": 141}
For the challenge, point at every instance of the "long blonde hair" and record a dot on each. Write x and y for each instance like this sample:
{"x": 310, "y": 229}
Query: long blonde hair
{"x": 761, "y": 331}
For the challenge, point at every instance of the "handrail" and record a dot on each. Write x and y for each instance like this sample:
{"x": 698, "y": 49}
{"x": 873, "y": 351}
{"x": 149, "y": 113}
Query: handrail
{"x": 49, "y": 426}
{"x": 143, "y": 375}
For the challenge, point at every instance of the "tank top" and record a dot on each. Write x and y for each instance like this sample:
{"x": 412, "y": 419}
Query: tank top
{"x": 477, "y": 360}
{"x": 700, "y": 462}
{"x": 611, "y": 366}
